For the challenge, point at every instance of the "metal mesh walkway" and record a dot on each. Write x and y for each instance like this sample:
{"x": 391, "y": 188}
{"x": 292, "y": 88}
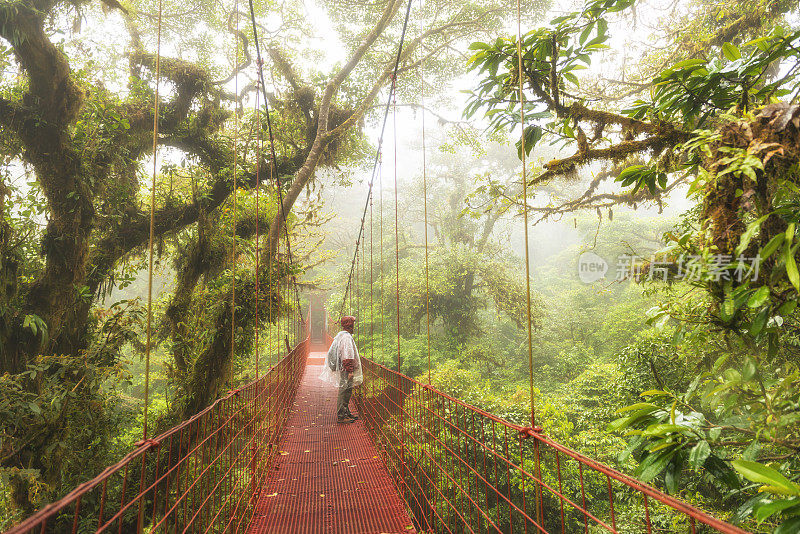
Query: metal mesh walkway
{"x": 328, "y": 477}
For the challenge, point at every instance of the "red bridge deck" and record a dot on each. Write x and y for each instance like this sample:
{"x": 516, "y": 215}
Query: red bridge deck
{"x": 328, "y": 477}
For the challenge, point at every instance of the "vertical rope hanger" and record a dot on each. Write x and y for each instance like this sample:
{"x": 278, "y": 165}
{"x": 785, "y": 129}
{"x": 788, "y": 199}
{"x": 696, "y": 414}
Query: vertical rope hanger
{"x": 425, "y": 203}
{"x": 258, "y": 237}
{"x": 382, "y": 305}
{"x": 357, "y": 296}
{"x": 235, "y": 185}
{"x": 360, "y": 296}
{"x": 396, "y": 221}
{"x": 371, "y": 280}
{"x": 152, "y": 230}
{"x": 525, "y": 212}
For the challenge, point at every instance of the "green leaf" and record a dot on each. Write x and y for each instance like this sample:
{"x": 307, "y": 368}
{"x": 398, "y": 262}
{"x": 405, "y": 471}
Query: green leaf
{"x": 653, "y": 464}
{"x": 747, "y": 236}
{"x": 721, "y": 471}
{"x": 532, "y": 135}
{"x": 585, "y": 33}
{"x": 791, "y": 269}
{"x": 766, "y": 510}
{"x": 629, "y": 174}
{"x": 756, "y": 472}
{"x": 571, "y": 77}
{"x": 662, "y": 429}
{"x": 699, "y": 454}
{"x": 787, "y": 308}
{"x": 687, "y": 63}
{"x": 758, "y": 298}
{"x": 731, "y": 51}
{"x": 748, "y": 369}
{"x": 639, "y": 406}
{"x": 654, "y": 393}
{"x": 772, "y": 246}
{"x": 790, "y": 526}
{"x": 672, "y": 477}
{"x": 727, "y": 309}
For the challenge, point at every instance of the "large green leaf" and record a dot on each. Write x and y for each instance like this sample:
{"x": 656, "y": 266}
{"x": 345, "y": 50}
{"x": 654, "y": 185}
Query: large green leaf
{"x": 699, "y": 454}
{"x": 768, "y": 476}
{"x": 766, "y": 510}
{"x": 654, "y": 463}
{"x": 790, "y": 526}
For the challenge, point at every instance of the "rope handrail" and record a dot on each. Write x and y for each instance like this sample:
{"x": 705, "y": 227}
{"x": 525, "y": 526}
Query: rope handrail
{"x": 455, "y": 467}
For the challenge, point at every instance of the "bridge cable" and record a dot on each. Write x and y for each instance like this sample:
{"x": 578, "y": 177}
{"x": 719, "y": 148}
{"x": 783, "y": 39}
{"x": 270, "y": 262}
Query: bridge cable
{"x": 260, "y": 64}
{"x": 235, "y": 184}
{"x": 396, "y": 233}
{"x": 382, "y": 306}
{"x": 371, "y": 282}
{"x": 538, "y": 486}
{"x": 425, "y": 203}
{"x": 258, "y": 237}
{"x": 378, "y": 152}
{"x": 525, "y": 212}
{"x": 152, "y": 230}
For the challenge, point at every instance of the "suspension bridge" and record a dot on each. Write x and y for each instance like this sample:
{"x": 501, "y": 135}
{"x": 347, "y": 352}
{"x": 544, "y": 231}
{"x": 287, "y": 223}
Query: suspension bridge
{"x": 270, "y": 456}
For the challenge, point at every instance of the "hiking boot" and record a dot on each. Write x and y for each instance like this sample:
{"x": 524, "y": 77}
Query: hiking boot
{"x": 352, "y": 416}
{"x": 345, "y": 419}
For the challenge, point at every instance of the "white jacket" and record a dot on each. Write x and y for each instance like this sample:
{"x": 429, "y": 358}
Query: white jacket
{"x": 343, "y": 347}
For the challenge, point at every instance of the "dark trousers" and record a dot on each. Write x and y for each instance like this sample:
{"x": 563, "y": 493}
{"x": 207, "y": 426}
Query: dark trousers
{"x": 345, "y": 392}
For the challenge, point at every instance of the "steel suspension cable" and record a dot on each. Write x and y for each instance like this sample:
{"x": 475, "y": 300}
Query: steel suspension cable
{"x": 152, "y": 230}
{"x": 396, "y": 232}
{"x": 270, "y": 341}
{"x": 260, "y": 64}
{"x": 258, "y": 236}
{"x": 371, "y": 280}
{"x": 425, "y": 207}
{"x": 525, "y": 213}
{"x": 382, "y": 307}
{"x": 378, "y": 152}
{"x": 360, "y": 296}
{"x": 235, "y": 184}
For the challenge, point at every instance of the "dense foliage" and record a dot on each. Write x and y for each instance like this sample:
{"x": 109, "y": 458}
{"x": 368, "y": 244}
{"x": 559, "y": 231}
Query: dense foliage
{"x": 76, "y": 144}
{"x": 718, "y": 118}
{"x": 681, "y": 368}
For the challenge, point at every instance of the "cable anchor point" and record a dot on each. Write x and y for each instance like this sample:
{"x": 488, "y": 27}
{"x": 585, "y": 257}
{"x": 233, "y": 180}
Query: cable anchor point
{"x": 529, "y": 431}
{"x": 149, "y": 443}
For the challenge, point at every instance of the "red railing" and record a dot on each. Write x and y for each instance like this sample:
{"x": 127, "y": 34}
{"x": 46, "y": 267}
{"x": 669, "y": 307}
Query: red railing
{"x": 202, "y": 475}
{"x": 460, "y": 469}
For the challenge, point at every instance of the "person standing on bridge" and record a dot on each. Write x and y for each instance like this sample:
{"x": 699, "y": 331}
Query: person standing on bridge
{"x": 343, "y": 368}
